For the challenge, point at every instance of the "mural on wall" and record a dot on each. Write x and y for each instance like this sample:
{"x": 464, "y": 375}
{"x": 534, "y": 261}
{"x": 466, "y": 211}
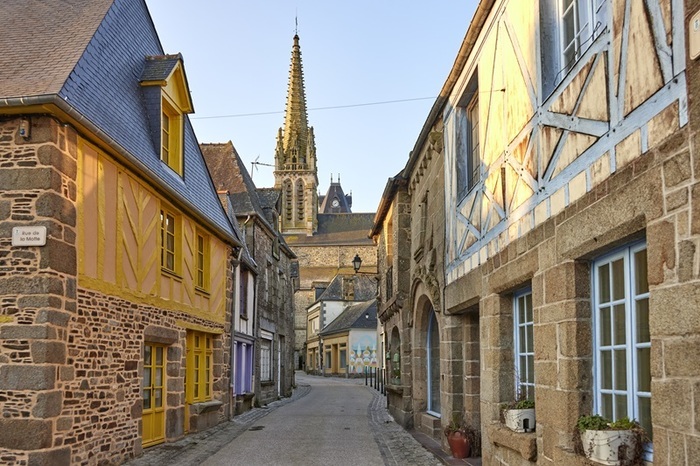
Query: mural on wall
{"x": 363, "y": 353}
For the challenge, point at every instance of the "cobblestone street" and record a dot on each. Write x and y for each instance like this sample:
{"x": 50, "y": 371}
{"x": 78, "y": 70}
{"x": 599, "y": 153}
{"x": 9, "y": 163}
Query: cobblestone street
{"x": 228, "y": 444}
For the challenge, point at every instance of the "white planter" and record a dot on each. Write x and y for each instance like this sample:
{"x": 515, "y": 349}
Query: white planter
{"x": 602, "y": 446}
{"x": 520, "y": 420}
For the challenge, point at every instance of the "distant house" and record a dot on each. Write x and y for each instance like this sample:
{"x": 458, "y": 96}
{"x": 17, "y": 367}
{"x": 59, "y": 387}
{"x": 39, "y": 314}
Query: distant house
{"x": 115, "y": 252}
{"x": 272, "y": 321}
{"x": 334, "y": 325}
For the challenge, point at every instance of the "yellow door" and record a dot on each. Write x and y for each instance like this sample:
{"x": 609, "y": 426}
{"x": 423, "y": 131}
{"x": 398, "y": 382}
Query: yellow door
{"x": 153, "y": 394}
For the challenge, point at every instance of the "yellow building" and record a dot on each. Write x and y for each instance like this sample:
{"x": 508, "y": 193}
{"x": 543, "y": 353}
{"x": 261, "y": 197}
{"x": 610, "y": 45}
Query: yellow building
{"x": 117, "y": 254}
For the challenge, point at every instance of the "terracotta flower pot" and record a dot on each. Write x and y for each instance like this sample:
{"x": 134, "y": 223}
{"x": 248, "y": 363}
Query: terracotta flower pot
{"x": 459, "y": 444}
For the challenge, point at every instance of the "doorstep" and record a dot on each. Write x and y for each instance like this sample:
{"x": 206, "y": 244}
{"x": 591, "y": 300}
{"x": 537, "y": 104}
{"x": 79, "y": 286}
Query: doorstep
{"x": 434, "y": 447}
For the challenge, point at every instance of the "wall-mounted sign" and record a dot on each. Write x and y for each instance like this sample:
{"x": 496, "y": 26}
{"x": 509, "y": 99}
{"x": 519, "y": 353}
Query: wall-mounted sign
{"x": 29, "y": 236}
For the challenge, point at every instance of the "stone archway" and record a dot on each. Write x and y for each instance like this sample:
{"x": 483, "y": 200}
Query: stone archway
{"x": 427, "y": 372}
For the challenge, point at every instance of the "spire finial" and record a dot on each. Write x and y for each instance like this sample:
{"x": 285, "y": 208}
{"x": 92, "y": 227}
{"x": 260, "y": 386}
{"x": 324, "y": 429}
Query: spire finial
{"x": 296, "y": 23}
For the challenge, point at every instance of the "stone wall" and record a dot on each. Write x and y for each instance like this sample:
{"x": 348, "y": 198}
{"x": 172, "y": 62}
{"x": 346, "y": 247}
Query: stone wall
{"x": 649, "y": 197}
{"x": 38, "y": 297}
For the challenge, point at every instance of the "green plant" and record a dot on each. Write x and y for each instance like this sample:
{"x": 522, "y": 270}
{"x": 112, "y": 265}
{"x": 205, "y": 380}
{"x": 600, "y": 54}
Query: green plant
{"x": 598, "y": 422}
{"x": 518, "y": 404}
{"x": 592, "y": 422}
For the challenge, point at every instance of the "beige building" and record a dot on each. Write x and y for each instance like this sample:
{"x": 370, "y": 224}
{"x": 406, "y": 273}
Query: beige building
{"x": 569, "y": 267}
{"x": 322, "y": 231}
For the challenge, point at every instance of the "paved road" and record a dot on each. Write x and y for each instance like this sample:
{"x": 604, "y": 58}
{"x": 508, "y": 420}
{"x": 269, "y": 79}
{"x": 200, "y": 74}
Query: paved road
{"x": 328, "y": 421}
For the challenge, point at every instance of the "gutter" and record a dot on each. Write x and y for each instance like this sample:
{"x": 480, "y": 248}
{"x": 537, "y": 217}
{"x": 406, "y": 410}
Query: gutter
{"x": 63, "y": 106}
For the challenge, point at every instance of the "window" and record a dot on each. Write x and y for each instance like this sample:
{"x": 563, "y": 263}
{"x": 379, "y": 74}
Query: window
{"x": 168, "y": 241}
{"x": 580, "y": 22}
{"x": 199, "y": 366}
{"x": 153, "y": 391}
{"x": 523, "y": 343}
{"x": 171, "y": 136}
{"x": 243, "y": 293}
{"x": 468, "y": 162}
{"x": 202, "y": 262}
{"x": 433, "y": 365}
{"x": 265, "y": 360}
{"x": 621, "y": 332}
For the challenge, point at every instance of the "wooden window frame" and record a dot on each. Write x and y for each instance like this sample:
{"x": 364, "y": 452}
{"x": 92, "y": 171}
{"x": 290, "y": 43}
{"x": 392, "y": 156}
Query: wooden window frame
{"x": 200, "y": 365}
{"x": 166, "y": 249}
{"x": 171, "y": 134}
{"x": 202, "y": 261}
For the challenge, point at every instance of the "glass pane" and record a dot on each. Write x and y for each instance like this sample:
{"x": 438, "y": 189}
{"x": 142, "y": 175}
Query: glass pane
{"x": 621, "y": 369}
{"x": 605, "y": 329}
{"x": 645, "y": 415}
{"x": 522, "y": 369}
{"x": 618, "y": 276}
{"x": 158, "y": 395}
{"x": 208, "y": 342}
{"x": 643, "y": 321}
{"x": 641, "y": 284}
{"x": 170, "y": 261}
{"x": 620, "y": 324}
{"x": 606, "y": 405}
{"x": 604, "y": 284}
{"x": 147, "y": 399}
{"x": 530, "y": 348}
{"x": 620, "y": 406}
{"x": 606, "y": 370}
{"x": 159, "y": 356}
{"x": 528, "y": 307}
{"x": 196, "y": 391}
{"x": 147, "y": 355}
{"x": 522, "y": 344}
{"x": 521, "y": 310}
{"x": 159, "y": 377}
{"x": 147, "y": 377}
{"x": 196, "y": 341}
{"x": 643, "y": 369}
{"x": 530, "y": 369}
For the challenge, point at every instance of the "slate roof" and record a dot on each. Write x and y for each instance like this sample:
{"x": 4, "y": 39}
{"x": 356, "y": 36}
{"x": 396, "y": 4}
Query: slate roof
{"x": 159, "y": 68}
{"x": 364, "y": 288}
{"x": 337, "y": 229}
{"x": 88, "y": 56}
{"x": 335, "y": 191}
{"x": 361, "y": 315}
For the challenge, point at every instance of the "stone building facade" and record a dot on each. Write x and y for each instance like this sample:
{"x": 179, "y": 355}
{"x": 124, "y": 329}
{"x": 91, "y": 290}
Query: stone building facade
{"x": 103, "y": 324}
{"x": 570, "y": 255}
{"x": 272, "y": 323}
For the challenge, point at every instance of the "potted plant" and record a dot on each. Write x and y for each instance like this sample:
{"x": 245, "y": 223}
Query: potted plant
{"x": 611, "y": 443}
{"x": 458, "y": 436}
{"x": 519, "y": 415}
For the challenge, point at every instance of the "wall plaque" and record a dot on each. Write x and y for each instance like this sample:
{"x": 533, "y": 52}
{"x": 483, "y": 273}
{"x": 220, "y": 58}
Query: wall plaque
{"x": 29, "y": 236}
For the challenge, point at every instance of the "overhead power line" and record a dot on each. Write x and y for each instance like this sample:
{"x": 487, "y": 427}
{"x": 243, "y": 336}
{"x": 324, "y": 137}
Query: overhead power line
{"x": 384, "y": 102}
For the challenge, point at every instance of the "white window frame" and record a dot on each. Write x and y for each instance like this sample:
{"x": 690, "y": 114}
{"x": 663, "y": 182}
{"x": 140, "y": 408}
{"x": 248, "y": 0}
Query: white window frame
{"x": 524, "y": 376}
{"x": 265, "y": 360}
{"x": 589, "y": 20}
{"x": 631, "y": 344}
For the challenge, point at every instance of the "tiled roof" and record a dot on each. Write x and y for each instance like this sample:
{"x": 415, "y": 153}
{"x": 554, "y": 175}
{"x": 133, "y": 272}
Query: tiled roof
{"x": 229, "y": 174}
{"x": 159, "y": 67}
{"x": 92, "y": 54}
{"x": 364, "y": 288}
{"x": 41, "y": 41}
{"x": 340, "y": 229}
{"x": 362, "y": 315}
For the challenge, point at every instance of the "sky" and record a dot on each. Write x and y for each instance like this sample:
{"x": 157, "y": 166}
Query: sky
{"x": 372, "y": 71}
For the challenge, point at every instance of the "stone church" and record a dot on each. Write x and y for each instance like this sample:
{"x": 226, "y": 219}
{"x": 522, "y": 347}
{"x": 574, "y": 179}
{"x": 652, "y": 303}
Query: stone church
{"x": 322, "y": 230}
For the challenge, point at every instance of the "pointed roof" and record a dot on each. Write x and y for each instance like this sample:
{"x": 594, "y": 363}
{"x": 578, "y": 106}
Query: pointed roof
{"x": 335, "y": 201}
{"x": 229, "y": 174}
{"x": 364, "y": 288}
{"x": 84, "y": 60}
{"x": 296, "y": 125}
{"x": 361, "y": 315}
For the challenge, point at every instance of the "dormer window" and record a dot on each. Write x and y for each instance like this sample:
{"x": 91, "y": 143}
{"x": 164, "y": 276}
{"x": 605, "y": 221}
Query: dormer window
{"x": 171, "y": 136}
{"x": 168, "y": 99}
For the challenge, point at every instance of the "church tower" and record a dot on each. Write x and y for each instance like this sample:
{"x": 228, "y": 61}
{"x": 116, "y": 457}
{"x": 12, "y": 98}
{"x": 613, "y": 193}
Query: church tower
{"x": 295, "y": 157}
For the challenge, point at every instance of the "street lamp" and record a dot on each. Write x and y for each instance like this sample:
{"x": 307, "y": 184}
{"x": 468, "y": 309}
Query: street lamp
{"x": 356, "y": 263}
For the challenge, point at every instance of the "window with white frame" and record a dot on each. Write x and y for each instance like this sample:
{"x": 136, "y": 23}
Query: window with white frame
{"x": 568, "y": 28}
{"x": 523, "y": 344}
{"x": 621, "y": 333}
{"x": 265, "y": 360}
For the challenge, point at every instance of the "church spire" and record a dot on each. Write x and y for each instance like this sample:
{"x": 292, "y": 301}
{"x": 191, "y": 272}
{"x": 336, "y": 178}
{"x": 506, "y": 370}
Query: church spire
{"x": 295, "y": 155}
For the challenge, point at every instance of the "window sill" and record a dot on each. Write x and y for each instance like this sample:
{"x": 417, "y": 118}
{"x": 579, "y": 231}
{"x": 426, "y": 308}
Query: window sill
{"x": 205, "y": 406}
{"x": 524, "y": 443}
{"x": 201, "y": 291}
{"x": 267, "y": 383}
{"x": 171, "y": 273}
{"x": 397, "y": 389}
